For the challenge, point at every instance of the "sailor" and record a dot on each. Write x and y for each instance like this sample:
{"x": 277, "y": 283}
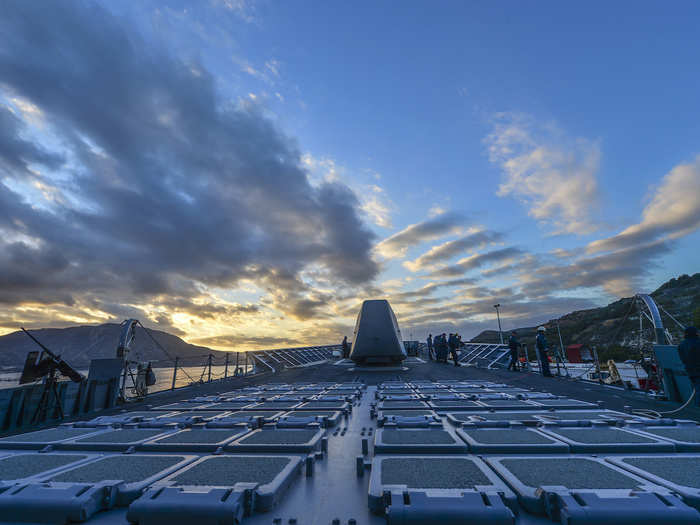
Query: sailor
{"x": 689, "y": 351}
{"x": 441, "y": 353}
{"x": 430, "y": 346}
{"x": 345, "y": 347}
{"x": 541, "y": 346}
{"x": 514, "y": 345}
{"x": 452, "y": 345}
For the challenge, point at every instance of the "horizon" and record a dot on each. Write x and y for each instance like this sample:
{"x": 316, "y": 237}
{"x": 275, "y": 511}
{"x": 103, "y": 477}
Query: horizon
{"x": 301, "y": 344}
{"x": 242, "y": 174}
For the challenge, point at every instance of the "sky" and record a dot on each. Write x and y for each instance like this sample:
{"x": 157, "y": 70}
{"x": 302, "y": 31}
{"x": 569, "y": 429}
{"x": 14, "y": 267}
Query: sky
{"x": 244, "y": 173}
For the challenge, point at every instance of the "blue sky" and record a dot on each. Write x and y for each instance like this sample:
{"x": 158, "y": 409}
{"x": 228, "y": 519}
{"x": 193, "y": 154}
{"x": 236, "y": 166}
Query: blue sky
{"x": 547, "y": 153}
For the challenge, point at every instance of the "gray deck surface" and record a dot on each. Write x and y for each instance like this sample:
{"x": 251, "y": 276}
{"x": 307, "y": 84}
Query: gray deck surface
{"x": 507, "y": 436}
{"x": 410, "y": 437}
{"x": 432, "y": 473}
{"x": 408, "y": 413}
{"x": 403, "y": 404}
{"x": 229, "y": 470}
{"x": 311, "y": 413}
{"x": 500, "y": 416}
{"x": 600, "y": 435}
{"x": 49, "y": 435}
{"x": 507, "y": 403}
{"x": 687, "y": 434}
{"x": 335, "y": 490}
{"x": 573, "y": 473}
{"x": 25, "y": 465}
{"x": 279, "y": 437}
{"x": 129, "y": 468}
{"x": 681, "y": 470}
{"x": 455, "y": 404}
{"x": 127, "y": 435}
{"x": 198, "y": 435}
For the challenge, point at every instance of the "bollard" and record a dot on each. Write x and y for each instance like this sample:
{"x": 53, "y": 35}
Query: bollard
{"x": 360, "y": 465}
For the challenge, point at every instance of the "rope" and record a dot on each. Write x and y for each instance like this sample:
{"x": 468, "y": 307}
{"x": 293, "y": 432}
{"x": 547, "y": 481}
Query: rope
{"x": 148, "y": 333}
{"x": 620, "y": 326}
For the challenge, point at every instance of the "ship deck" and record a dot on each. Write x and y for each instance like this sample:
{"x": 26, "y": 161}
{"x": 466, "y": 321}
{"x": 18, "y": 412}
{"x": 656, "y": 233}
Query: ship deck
{"x": 468, "y": 444}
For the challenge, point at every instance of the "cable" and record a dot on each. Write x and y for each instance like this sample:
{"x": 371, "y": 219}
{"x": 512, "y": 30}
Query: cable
{"x": 148, "y": 333}
{"x": 659, "y": 415}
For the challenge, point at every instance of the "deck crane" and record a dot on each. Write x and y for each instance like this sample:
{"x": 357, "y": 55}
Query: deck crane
{"x": 144, "y": 376}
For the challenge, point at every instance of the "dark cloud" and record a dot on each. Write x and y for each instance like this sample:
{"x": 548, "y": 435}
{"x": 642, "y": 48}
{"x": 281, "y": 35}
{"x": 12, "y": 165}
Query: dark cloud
{"x": 449, "y": 249}
{"x": 430, "y": 229}
{"x": 167, "y": 185}
{"x": 477, "y": 261}
{"x": 16, "y": 153}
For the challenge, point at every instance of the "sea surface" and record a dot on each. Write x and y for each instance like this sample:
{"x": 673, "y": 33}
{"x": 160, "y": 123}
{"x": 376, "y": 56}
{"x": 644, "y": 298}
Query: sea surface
{"x": 164, "y": 376}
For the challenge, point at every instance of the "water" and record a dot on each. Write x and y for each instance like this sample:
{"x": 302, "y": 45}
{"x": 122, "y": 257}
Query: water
{"x": 164, "y": 376}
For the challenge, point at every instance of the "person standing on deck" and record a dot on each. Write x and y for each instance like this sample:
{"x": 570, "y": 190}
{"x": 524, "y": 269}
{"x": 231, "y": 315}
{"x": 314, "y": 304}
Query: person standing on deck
{"x": 442, "y": 347}
{"x": 346, "y": 350}
{"x": 430, "y": 346}
{"x": 541, "y": 346}
{"x": 514, "y": 345}
{"x": 452, "y": 345}
{"x": 689, "y": 351}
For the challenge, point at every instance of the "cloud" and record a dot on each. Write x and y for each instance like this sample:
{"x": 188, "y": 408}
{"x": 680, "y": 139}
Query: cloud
{"x": 674, "y": 211}
{"x": 376, "y": 205}
{"x": 374, "y": 202}
{"x": 619, "y": 273}
{"x": 477, "y": 261}
{"x": 398, "y": 244}
{"x": 445, "y": 251}
{"x": 233, "y": 341}
{"x": 554, "y": 176}
{"x": 429, "y": 289}
{"x": 163, "y": 187}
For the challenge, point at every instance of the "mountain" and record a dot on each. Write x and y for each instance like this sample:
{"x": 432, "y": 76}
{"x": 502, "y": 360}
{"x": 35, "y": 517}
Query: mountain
{"x": 614, "y": 329}
{"x": 80, "y": 344}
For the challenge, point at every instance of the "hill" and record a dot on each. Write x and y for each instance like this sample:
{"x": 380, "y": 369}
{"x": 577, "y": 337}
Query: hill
{"x": 78, "y": 345}
{"x": 606, "y": 327}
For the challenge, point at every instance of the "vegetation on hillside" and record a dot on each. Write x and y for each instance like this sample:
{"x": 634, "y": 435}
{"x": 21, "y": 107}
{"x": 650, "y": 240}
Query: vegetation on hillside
{"x": 613, "y": 330}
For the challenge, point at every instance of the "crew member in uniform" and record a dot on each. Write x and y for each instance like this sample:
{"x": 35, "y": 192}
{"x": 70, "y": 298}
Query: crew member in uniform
{"x": 514, "y": 345}
{"x": 541, "y": 346}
